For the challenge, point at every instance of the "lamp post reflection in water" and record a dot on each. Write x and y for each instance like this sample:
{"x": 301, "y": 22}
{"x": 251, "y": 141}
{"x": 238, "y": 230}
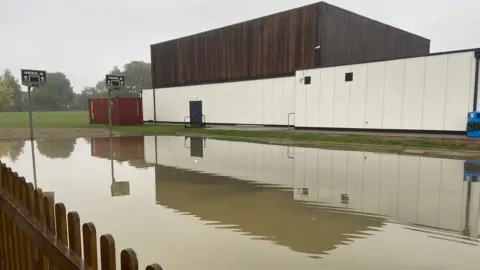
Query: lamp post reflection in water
{"x": 34, "y": 165}
{"x": 117, "y": 188}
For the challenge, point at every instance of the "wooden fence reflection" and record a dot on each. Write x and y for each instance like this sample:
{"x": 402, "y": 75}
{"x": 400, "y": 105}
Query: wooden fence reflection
{"x": 36, "y": 233}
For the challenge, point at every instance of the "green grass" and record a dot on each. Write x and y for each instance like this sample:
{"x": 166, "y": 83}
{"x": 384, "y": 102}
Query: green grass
{"x": 67, "y": 119}
{"x": 80, "y": 120}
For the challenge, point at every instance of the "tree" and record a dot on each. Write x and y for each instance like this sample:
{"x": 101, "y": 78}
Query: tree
{"x": 137, "y": 77}
{"x": 6, "y": 95}
{"x": 57, "y": 94}
{"x": 17, "y": 150}
{"x": 56, "y": 148}
{"x": 81, "y": 100}
{"x": 17, "y": 89}
{"x": 12, "y": 148}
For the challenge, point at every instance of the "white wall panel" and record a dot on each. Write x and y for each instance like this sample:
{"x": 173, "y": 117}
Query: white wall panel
{"x": 358, "y": 89}
{"x": 312, "y": 99}
{"x": 250, "y": 106}
{"x": 393, "y": 94}
{"x": 288, "y": 102}
{"x": 147, "y": 105}
{"x": 278, "y": 107}
{"x": 458, "y": 91}
{"x": 342, "y": 97}
{"x": 413, "y": 93}
{"x": 327, "y": 94}
{"x": 433, "y": 117}
{"x": 374, "y": 96}
{"x": 267, "y": 103}
{"x": 301, "y": 99}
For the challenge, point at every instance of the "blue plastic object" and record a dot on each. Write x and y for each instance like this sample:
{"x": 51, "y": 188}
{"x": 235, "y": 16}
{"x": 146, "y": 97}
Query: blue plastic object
{"x": 473, "y": 124}
{"x": 471, "y": 171}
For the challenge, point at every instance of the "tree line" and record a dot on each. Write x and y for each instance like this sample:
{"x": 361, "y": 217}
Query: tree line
{"x": 58, "y": 93}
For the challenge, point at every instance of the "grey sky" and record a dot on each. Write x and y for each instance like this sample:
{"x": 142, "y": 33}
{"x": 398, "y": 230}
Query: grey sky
{"x": 85, "y": 39}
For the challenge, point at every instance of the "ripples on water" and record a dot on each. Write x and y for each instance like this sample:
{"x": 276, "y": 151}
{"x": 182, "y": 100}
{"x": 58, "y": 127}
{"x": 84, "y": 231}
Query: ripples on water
{"x": 207, "y": 204}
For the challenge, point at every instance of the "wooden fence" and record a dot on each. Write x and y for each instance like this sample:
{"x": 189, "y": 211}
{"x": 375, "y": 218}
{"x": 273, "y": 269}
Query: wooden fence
{"x": 36, "y": 233}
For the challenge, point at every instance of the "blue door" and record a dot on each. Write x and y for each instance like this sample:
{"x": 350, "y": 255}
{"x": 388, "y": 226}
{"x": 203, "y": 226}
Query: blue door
{"x": 196, "y": 113}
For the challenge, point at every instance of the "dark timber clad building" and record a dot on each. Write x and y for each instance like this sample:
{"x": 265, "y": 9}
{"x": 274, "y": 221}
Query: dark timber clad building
{"x": 317, "y": 35}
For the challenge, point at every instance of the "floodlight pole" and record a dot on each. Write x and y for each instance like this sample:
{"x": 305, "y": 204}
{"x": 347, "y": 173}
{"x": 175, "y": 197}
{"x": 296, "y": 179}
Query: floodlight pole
{"x": 31, "y": 137}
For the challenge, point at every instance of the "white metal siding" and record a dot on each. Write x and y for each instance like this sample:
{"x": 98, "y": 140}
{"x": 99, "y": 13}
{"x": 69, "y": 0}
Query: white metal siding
{"x": 249, "y": 102}
{"x": 413, "y": 94}
{"x": 342, "y": 98}
{"x": 434, "y": 93}
{"x": 424, "y": 93}
{"x": 327, "y": 93}
{"x": 357, "y": 103}
{"x": 147, "y": 104}
{"x": 393, "y": 94}
{"x": 375, "y": 85}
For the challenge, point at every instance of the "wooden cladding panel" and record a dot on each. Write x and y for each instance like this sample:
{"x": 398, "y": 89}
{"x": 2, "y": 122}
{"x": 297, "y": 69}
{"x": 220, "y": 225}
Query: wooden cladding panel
{"x": 278, "y": 45}
{"x": 349, "y": 38}
{"x": 271, "y": 46}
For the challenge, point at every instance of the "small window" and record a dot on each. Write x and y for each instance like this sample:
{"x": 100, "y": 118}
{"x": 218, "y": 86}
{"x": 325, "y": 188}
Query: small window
{"x": 349, "y": 76}
{"x": 308, "y": 80}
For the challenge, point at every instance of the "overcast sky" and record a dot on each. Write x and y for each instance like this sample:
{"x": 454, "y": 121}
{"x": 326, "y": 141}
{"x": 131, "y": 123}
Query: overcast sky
{"x": 86, "y": 38}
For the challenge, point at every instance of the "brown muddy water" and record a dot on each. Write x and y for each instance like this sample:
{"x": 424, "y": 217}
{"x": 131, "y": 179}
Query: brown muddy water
{"x": 190, "y": 203}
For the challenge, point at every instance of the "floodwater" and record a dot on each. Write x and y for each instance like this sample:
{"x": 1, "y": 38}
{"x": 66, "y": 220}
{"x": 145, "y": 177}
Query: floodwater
{"x": 189, "y": 203}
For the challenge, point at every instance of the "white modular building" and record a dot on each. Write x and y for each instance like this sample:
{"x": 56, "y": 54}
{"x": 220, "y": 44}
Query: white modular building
{"x": 432, "y": 93}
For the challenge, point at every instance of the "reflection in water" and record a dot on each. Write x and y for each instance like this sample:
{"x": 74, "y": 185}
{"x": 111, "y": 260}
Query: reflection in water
{"x": 354, "y": 210}
{"x": 120, "y": 149}
{"x": 418, "y": 190}
{"x": 267, "y": 213}
{"x": 60, "y": 148}
{"x": 12, "y": 149}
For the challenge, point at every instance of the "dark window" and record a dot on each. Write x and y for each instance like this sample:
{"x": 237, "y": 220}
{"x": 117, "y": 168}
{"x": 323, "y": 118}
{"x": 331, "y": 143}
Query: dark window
{"x": 349, "y": 76}
{"x": 308, "y": 80}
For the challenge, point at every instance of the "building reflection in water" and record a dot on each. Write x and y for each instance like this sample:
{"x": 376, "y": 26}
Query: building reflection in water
{"x": 310, "y": 200}
{"x": 417, "y": 190}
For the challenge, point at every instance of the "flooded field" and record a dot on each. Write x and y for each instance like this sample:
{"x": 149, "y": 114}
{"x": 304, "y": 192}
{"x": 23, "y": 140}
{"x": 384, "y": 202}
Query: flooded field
{"x": 190, "y": 203}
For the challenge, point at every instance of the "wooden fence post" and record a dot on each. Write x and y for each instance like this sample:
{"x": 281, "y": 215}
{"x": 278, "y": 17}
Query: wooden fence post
{"x": 31, "y": 210}
{"x": 40, "y": 214}
{"x": 107, "y": 253}
{"x": 154, "y": 267}
{"x": 13, "y": 182}
{"x": 128, "y": 260}
{"x": 74, "y": 237}
{"x": 23, "y": 244}
{"x": 90, "y": 245}
{"x": 49, "y": 205}
{"x": 61, "y": 223}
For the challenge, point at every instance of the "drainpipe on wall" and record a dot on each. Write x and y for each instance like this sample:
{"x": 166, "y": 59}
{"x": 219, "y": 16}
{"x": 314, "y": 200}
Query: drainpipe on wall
{"x": 475, "y": 85}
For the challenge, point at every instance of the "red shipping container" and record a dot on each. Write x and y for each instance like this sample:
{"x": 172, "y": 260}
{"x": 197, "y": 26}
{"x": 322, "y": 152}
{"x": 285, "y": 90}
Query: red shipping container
{"x": 125, "y": 111}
